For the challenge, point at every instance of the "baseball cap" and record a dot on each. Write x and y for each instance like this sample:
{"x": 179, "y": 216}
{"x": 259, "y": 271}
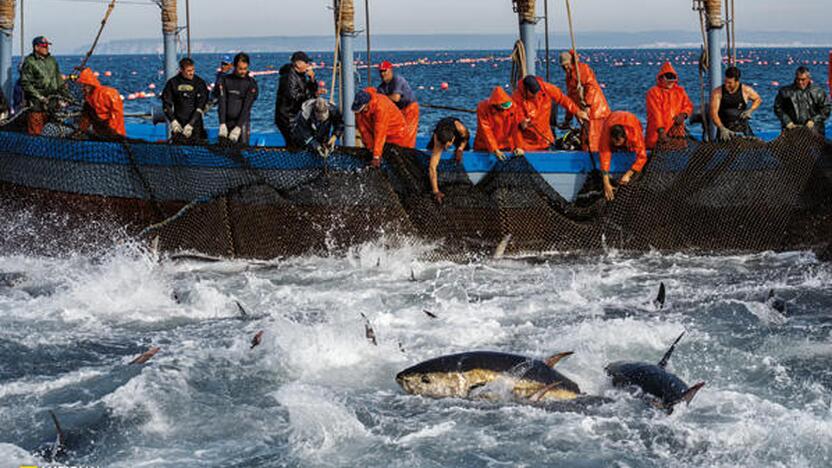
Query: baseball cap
{"x": 300, "y": 57}
{"x": 362, "y": 98}
{"x": 385, "y": 65}
{"x": 40, "y": 40}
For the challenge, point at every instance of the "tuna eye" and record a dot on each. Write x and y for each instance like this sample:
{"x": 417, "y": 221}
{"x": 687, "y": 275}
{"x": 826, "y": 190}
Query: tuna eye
{"x": 425, "y": 379}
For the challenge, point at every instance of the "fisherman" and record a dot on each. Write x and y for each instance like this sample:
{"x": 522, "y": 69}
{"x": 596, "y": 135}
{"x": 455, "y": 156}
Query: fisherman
{"x": 803, "y": 104}
{"x": 318, "y": 126}
{"x": 103, "y": 109}
{"x": 668, "y": 107}
{"x": 224, "y": 69}
{"x": 498, "y": 123}
{"x": 589, "y": 95}
{"x": 184, "y": 101}
{"x": 42, "y": 80}
{"x": 238, "y": 91}
{"x": 729, "y": 106}
{"x": 622, "y": 132}
{"x": 534, "y": 99}
{"x": 395, "y": 87}
{"x": 449, "y": 132}
{"x": 379, "y": 121}
{"x": 297, "y": 85}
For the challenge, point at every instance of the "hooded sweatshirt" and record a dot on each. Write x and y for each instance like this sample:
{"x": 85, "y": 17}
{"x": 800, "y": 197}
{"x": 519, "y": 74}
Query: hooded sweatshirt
{"x": 498, "y": 129}
{"x": 381, "y": 123}
{"x": 539, "y": 136}
{"x": 665, "y": 104}
{"x": 103, "y": 107}
{"x": 635, "y": 140}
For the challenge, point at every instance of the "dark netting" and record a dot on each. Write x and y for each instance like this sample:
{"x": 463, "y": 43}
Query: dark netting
{"x": 265, "y": 202}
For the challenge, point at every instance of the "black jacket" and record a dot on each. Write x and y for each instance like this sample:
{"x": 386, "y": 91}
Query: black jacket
{"x": 799, "y": 106}
{"x": 310, "y": 133}
{"x": 182, "y": 98}
{"x": 293, "y": 90}
{"x": 237, "y": 96}
{"x": 4, "y": 104}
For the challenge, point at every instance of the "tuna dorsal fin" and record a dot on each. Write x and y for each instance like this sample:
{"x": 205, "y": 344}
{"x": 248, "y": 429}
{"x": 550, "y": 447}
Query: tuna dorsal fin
{"x": 60, "y": 441}
{"x": 660, "y": 298}
{"x": 553, "y": 360}
{"x": 692, "y": 391}
{"x": 539, "y": 394}
{"x": 666, "y": 357}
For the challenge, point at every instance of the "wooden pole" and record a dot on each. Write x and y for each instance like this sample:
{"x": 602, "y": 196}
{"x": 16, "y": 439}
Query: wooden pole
{"x": 188, "y": 24}
{"x": 546, "y": 34}
{"x": 369, "y": 56}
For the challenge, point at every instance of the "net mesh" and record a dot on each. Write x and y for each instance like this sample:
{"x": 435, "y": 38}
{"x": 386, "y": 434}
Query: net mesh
{"x": 744, "y": 195}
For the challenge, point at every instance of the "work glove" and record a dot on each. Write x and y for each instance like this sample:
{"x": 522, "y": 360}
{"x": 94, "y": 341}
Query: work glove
{"x": 175, "y": 127}
{"x": 500, "y": 155}
{"x": 725, "y": 134}
{"x": 438, "y": 197}
{"x": 331, "y": 143}
{"x": 376, "y": 162}
{"x": 790, "y": 126}
{"x": 746, "y": 115}
{"x": 223, "y": 131}
{"x": 680, "y": 119}
{"x": 519, "y": 152}
{"x": 810, "y": 124}
{"x": 188, "y": 130}
{"x": 4, "y": 116}
{"x": 320, "y": 149}
{"x": 235, "y": 134}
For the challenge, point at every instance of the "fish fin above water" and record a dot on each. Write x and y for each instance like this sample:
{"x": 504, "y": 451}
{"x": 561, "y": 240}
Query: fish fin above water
{"x": 553, "y": 360}
{"x": 242, "y": 310}
{"x": 666, "y": 357}
{"x": 660, "y": 298}
{"x": 540, "y": 393}
{"x": 500, "y": 251}
{"x": 60, "y": 442}
{"x": 688, "y": 395}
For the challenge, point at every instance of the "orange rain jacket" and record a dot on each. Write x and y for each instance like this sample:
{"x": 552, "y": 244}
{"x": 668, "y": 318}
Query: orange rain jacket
{"x": 105, "y": 105}
{"x": 411, "y": 121}
{"x": 665, "y": 104}
{"x": 594, "y": 97}
{"x": 635, "y": 140}
{"x": 497, "y": 129}
{"x": 539, "y": 136}
{"x": 382, "y": 122}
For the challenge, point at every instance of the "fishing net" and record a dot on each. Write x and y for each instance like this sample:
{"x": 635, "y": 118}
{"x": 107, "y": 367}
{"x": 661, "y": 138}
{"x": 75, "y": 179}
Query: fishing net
{"x": 226, "y": 201}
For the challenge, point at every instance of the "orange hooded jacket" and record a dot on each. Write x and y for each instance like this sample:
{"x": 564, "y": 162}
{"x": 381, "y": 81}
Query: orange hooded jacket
{"x": 497, "y": 129}
{"x": 635, "y": 140}
{"x": 594, "y": 97}
{"x": 105, "y": 104}
{"x": 539, "y": 136}
{"x": 382, "y": 122}
{"x": 665, "y": 104}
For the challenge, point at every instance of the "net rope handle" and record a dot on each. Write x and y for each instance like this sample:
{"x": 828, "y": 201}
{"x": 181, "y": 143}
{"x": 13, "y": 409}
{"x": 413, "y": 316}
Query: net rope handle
{"x": 110, "y": 8}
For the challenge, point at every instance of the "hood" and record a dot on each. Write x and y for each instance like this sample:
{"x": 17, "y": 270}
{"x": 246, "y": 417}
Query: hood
{"x": 666, "y": 68}
{"x": 498, "y": 97}
{"x": 87, "y": 77}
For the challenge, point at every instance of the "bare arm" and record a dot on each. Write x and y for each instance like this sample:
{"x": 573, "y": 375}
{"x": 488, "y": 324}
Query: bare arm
{"x": 751, "y": 95}
{"x": 716, "y": 100}
{"x": 433, "y": 167}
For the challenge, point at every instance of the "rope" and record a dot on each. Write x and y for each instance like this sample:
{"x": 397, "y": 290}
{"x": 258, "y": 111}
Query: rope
{"x": 575, "y": 49}
{"x": 7, "y": 8}
{"x": 526, "y": 9}
{"x": 714, "y": 11}
{"x": 347, "y": 15}
{"x": 335, "y": 67}
{"x": 170, "y": 22}
{"x": 448, "y": 108}
{"x": 97, "y": 36}
{"x": 518, "y": 63}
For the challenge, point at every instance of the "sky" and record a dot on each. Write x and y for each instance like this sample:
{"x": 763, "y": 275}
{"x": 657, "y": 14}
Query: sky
{"x": 72, "y": 24}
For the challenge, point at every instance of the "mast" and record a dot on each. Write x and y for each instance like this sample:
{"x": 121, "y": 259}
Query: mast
{"x": 526, "y": 14}
{"x": 345, "y": 25}
{"x": 7, "y": 8}
{"x": 170, "y": 27}
{"x": 713, "y": 11}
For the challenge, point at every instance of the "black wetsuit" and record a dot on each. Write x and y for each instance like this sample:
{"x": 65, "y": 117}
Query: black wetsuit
{"x": 237, "y": 96}
{"x": 459, "y": 138}
{"x": 731, "y": 107}
{"x": 293, "y": 90}
{"x": 182, "y": 100}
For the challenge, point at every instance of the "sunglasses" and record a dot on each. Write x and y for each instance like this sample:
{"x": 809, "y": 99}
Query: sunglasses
{"x": 669, "y": 77}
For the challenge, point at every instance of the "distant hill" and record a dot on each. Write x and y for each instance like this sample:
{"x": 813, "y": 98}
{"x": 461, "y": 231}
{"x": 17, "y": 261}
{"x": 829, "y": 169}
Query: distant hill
{"x": 649, "y": 39}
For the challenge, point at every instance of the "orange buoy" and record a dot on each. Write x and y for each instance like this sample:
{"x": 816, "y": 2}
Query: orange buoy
{"x": 108, "y": 73}
{"x": 443, "y": 86}
{"x": 151, "y": 86}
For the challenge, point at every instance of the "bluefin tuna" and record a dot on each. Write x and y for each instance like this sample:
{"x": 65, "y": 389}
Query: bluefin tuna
{"x": 487, "y": 375}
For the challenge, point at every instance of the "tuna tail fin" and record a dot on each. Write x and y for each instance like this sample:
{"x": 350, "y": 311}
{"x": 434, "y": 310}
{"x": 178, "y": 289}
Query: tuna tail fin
{"x": 60, "y": 442}
{"x": 538, "y": 395}
{"x": 692, "y": 391}
{"x": 553, "y": 360}
{"x": 666, "y": 357}
{"x": 660, "y": 298}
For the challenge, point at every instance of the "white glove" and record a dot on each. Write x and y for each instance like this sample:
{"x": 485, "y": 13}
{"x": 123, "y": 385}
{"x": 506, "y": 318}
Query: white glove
{"x": 810, "y": 124}
{"x": 188, "y": 131}
{"x": 223, "y": 131}
{"x": 4, "y": 115}
{"x": 175, "y": 127}
{"x": 235, "y": 134}
{"x": 725, "y": 134}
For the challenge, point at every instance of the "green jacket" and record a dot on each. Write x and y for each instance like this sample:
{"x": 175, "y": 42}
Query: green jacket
{"x": 41, "y": 78}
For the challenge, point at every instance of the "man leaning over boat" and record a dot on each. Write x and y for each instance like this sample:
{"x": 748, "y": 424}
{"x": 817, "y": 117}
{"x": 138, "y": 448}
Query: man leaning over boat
{"x": 103, "y": 111}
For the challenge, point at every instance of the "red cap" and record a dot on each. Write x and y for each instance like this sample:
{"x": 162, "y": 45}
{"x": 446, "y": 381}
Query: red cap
{"x": 385, "y": 65}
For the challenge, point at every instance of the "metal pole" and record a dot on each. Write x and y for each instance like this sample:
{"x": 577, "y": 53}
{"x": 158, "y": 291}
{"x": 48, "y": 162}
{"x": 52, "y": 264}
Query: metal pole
{"x": 347, "y": 88}
{"x": 546, "y": 24}
{"x": 527, "y": 36}
{"x": 169, "y": 30}
{"x": 188, "y": 24}
{"x": 22, "y": 32}
{"x": 6, "y": 47}
{"x": 369, "y": 57}
{"x": 714, "y": 62}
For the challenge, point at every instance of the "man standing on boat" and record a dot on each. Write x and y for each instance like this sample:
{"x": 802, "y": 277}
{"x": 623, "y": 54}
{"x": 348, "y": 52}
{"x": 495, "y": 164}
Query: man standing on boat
{"x": 621, "y": 132}
{"x": 103, "y": 110}
{"x": 318, "y": 126}
{"x": 396, "y": 87}
{"x": 297, "y": 85}
{"x": 42, "y": 80}
{"x": 803, "y": 104}
{"x": 184, "y": 101}
{"x": 588, "y": 94}
{"x": 238, "y": 91}
{"x": 668, "y": 107}
{"x": 379, "y": 122}
{"x": 498, "y": 125}
{"x": 730, "y": 112}
{"x": 534, "y": 99}
{"x": 224, "y": 69}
